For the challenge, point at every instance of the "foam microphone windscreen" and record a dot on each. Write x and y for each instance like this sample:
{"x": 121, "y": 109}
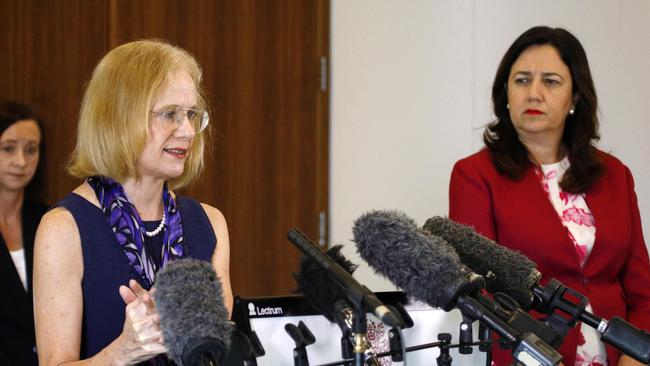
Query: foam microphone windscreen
{"x": 510, "y": 269}
{"x": 193, "y": 317}
{"x": 419, "y": 263}
{"x": 319, "y": 289}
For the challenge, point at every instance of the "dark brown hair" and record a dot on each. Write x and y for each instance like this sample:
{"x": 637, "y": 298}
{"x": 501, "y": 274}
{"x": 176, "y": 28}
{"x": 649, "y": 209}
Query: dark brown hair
{"x": 10, "y": 113}
{"x": 509, "y": 155}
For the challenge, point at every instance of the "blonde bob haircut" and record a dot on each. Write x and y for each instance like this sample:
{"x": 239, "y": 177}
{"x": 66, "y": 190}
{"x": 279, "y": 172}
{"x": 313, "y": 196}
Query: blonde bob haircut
{"x": 113, "y": 120}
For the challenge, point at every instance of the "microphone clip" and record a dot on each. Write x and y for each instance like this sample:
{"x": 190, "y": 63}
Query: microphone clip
{"x": 203, "y": 351}
{"x": 303, "y": 337}
{"x": 471, "y": 283}
{"x": 554, "y": 296}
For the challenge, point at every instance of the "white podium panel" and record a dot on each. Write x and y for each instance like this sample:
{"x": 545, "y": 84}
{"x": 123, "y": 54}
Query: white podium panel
{"x": 267, "y": 317}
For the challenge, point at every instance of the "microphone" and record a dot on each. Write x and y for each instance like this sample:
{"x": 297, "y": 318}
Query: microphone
{"x": 193, "y": 318}
{"x": 394, "y": 247}
{"x": 321, "y": 292}
{"x": 514, "y": 274}
{"x": 429, "y": 270}
{"x": 357, "y": 294}
{"x": 505, "y": 270}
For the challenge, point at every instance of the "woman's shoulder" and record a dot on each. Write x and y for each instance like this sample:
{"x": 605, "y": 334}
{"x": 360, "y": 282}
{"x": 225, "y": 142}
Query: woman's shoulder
{"x": 85, "y": 191}
{"x": 616, "y": 175}
{"x": 57, "y": 226}
{"x": 613, "y": 165}
{"x": 608, "y": 159}
{"x": 480, "y": 161}
{"x": 58, "y": 244}
{"x": 480, "y": 157}
{"x": 61, "y": 216}
{"x": 216, "y": 217}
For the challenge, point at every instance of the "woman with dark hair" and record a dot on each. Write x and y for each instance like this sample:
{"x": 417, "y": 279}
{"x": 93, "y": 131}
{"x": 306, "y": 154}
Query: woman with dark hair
{"x": 20, "y": 212}
{"x": 543, "y": 188}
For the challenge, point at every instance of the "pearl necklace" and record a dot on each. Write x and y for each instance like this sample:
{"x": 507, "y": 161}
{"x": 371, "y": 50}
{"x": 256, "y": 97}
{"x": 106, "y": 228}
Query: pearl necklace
{"x": 156, "y": 231}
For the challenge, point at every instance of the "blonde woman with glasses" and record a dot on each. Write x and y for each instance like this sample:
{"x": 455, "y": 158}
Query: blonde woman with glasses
{"x": 142, "y": 131}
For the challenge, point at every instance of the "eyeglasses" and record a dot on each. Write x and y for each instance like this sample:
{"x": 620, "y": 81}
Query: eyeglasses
{"x": 173, "y": 118}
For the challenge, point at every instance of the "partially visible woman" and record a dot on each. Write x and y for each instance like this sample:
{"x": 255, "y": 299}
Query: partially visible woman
{"x": 141, "y": 134}
{"x": 543, "y": 188}
{"x": 20, "y": 212}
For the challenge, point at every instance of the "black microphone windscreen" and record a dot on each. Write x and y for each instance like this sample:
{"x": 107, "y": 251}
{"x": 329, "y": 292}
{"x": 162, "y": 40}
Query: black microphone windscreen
{"x": 319, "y": 289}
{"x": 420, "y": 264}
{"x": 189, "y": 300}
{"x": 510, "y": 269}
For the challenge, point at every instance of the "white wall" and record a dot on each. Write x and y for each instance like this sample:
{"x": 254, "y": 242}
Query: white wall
{"x": 411, "y": 92}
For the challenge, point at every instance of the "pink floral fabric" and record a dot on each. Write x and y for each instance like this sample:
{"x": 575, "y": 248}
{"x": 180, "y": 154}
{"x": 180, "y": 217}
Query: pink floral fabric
{"x": 379, "y": 340}
{"x": 575, "y": 215}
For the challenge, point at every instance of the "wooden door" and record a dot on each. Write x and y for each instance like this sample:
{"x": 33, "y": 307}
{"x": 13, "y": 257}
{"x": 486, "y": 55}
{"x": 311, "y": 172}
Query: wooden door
{"x": 263, "y": 67}
{"x": 48, "y": 50}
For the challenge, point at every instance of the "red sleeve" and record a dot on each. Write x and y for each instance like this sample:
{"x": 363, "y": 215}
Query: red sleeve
{"x": 635, "y": 276}
{"x": 470, "y": 201}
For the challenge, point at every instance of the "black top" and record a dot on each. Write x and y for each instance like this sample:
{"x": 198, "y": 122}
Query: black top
{"x": 17, "y": 338}
{"x": 106, "y": 267}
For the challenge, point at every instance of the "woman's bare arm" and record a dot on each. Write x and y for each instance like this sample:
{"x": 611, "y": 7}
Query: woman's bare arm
{"x": 221, "y": 256}
{"x": 58, "y": 302}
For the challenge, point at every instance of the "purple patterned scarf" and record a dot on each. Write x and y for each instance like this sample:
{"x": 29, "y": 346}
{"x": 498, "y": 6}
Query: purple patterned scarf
{"x": 129, "y": 229}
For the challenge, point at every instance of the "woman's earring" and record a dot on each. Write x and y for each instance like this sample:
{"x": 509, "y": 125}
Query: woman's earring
{"x": 572, "y": 111}
{"x": 508, "y": 106}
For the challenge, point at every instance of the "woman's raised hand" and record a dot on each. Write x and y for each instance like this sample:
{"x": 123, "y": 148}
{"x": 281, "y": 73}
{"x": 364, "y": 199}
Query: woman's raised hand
{"x": 141, "y": 338}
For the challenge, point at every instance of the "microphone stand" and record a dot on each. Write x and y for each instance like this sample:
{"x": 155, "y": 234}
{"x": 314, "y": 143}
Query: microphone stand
{"x": 485, "y": 342}
{"x": 465, "y": 338}
{"x": 444, "y": 343}
{"x": 344, "y": 317}
{"x": 303, "y": 337}
{"x": 346, "y": 345}
{"x": 396, "y": 345}
{"x": 397, "y": 351}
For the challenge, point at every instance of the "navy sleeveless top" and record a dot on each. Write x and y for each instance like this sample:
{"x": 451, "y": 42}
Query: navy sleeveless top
{"x": 106, "y": 267}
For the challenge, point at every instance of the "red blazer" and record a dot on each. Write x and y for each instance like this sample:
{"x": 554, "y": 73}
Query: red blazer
{"x": 519, "y": 215}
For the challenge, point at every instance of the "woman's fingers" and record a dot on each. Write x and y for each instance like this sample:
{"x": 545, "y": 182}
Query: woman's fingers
{"x": 127, "y": 295}
{"x": 136, "y": 288}
{"x": 146, "y": 328}
{"x": 144, "y": 295}
{"x": 142, "y": 337}
{"x": 136, "y": 310}
{"x": 155, "y": 348}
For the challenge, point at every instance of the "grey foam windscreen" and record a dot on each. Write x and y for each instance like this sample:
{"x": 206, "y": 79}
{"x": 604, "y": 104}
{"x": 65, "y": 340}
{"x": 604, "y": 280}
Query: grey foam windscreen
{"x": 189, "y": 300}
{"x": 420, "y": 264}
